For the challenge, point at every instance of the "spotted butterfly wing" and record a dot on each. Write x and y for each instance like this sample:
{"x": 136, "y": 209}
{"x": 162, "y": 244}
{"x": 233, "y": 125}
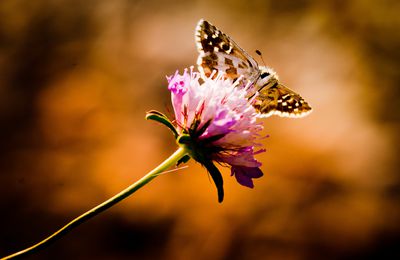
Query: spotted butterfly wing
{"x": 276, "y": 99}
{"x": 217, "y": 51}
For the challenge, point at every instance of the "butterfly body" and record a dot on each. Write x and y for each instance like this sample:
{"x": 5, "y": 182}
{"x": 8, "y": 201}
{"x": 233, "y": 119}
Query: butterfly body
{"x": 217, "y": 51}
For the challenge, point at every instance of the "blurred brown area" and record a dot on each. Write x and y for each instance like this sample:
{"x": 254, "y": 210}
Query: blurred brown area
{"x": 76, "y": 78}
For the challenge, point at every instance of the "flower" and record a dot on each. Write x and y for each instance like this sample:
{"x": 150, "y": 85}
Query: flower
{"x": 217, "y": 123}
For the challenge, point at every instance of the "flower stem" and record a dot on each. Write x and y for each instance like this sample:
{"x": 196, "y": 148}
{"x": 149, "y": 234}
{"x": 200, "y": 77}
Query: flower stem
{"x": 172, "y": 160}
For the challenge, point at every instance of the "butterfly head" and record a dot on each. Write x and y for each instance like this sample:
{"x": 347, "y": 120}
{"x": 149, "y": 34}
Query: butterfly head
{"x": 267, "y": 75}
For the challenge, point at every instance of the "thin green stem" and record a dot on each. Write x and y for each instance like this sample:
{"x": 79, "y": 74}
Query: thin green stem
{"x": 172, "y": 160}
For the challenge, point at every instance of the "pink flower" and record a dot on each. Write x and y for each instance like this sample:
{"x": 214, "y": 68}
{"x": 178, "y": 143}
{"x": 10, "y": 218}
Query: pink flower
{"x": 217, "y": 123}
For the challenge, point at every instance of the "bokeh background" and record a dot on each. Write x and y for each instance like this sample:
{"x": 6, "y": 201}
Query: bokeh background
{"x": 76, "y": 78}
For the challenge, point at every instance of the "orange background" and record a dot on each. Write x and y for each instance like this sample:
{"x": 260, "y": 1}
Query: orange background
{"x": 76, "y": 78}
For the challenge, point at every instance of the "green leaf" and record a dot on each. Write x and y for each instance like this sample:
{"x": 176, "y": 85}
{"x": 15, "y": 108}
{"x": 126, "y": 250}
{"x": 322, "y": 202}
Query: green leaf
{"x": 163, "y": 119}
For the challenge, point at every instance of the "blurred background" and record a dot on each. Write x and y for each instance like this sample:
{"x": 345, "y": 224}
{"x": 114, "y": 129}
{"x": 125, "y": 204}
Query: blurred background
{"x": 76, "y": 78}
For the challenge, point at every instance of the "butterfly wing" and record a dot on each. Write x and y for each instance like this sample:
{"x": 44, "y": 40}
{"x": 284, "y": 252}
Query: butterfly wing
{"x": 219, "y": 52}
{"x": 276, "y": 99}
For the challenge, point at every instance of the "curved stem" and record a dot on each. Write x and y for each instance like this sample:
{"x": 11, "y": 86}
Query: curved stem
{"x": 172, "y": 160}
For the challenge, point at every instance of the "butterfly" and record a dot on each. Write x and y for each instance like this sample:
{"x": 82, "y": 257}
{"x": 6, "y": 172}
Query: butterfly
{"x": 217, "y": 51}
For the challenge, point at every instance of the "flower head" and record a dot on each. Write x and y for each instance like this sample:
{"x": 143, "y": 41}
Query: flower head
{"x": 217, "y": 123}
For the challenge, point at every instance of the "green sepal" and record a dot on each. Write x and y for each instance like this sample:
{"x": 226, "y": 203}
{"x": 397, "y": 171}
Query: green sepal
{"x": 163, "y": 119}
{"x": 199, "y": 132}
{"x": 184, "y": 139}
{"x": 184, "y": 159}
{"x": 217, "y": 178}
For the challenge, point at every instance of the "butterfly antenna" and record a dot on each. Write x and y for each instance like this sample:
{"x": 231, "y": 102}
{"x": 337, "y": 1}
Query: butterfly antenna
{"x": 260, "y": 54}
